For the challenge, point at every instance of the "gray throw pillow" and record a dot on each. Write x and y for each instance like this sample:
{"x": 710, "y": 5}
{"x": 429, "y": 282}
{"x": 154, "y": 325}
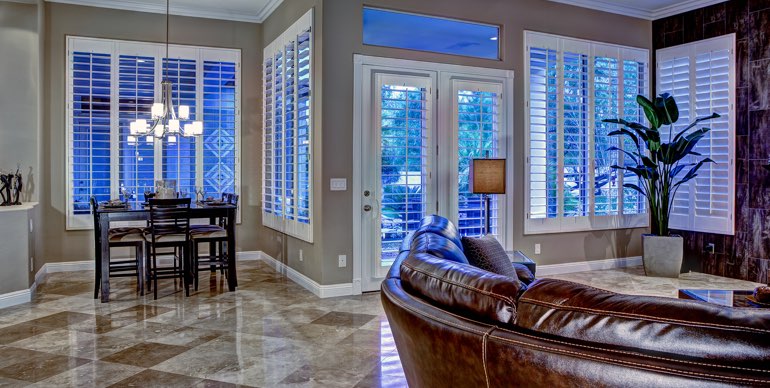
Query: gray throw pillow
{"x": 486, "y": 253}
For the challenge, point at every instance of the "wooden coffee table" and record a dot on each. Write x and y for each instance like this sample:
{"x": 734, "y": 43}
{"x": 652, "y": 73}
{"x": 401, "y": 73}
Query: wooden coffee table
{"x": 730, "y": 298}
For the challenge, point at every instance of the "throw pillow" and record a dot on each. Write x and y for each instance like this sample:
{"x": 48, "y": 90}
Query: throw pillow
{"x": 486, "y": 253}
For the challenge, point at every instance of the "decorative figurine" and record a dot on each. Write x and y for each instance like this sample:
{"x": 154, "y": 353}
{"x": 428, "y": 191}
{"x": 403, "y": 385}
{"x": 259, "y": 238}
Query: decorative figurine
{"x": 5, "y": 189}
{"x": 17, "y": 186}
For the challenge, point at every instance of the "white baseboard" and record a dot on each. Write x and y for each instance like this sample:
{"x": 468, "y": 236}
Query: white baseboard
{"x": 14, "y": 298}
{"x": 582, "y": 266}
{"x": 69, "y": 266}
{"x": 320, "y": 290}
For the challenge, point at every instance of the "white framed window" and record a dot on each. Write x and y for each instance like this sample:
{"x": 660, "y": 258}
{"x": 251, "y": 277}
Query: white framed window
{"x": 111, "y": 83}
{"x": 287, "y": 144}
{"x": 701, "y": 77}
{"x": 571, "y": 86}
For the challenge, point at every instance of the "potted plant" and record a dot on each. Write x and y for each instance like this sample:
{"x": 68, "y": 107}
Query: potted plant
{"x": 660, "y": 165}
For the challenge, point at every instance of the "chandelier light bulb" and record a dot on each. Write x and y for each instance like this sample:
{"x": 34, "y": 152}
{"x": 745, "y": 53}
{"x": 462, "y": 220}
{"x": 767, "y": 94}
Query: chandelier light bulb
{"x": 141, "y": 126}
{"x": 149, "y": 139}
{"x": 131, "y": 139}
{"x": 188, "y": 130}
{"x": 133, "y": 129}
{"x": 157, "y": 110}
{"x": 172, "y": 139}
{"x": 184, "y": 112}
{"x": 159, "y": 130}
{"x": 173, "y": 126}
{"x": 197, "y": 127}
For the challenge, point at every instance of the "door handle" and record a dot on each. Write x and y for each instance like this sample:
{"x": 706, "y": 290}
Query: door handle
{"x": 367, "y": 208}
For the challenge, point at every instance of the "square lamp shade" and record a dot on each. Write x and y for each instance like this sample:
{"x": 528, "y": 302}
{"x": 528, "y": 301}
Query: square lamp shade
{"x": 487, "y": 176}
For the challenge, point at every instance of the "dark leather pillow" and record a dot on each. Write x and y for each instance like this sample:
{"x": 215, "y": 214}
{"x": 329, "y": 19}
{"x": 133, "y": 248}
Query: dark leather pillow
{"x": 525, "y": 275}
{"x": 486, "y": 253}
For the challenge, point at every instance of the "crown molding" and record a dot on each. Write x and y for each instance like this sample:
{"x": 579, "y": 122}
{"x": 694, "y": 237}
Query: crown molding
{"x": 638, "y": 12}
{"x": 199, "y": 12}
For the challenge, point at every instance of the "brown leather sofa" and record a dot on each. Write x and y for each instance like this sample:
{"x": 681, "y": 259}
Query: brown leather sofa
{"x": 456, "y": 325}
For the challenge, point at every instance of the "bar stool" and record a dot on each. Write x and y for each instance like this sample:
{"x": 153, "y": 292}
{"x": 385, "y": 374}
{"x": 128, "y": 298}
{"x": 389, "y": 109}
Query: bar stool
{"x": 216, "y": 237}
{"x": 121, "y": 237}
{"x": 168, "y": 227}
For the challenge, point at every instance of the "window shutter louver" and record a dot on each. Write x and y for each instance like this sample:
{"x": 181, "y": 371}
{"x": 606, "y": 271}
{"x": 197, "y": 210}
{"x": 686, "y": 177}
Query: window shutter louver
{"x": 572, "y": 86}
{"x": 701, "y": 78}
{"x": 137, "y": 94}
{"x": 219, "y": 134}
{"x": 478, "y": 135}
{"x": 90, "y": 153}
{"x": 287, "y": 143}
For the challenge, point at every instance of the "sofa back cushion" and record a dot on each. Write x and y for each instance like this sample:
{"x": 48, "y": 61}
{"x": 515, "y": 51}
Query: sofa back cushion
{"x": 461, "y": 288}
{"x": 736, "y": 336}
{"x": 438, "y": 246}
{"x": 439, "y": 226}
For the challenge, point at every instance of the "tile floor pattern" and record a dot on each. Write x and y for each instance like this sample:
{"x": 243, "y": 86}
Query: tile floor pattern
{"x": 270, "y": 333}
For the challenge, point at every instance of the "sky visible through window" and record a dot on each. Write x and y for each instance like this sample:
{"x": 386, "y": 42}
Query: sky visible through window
{"x": 426, "y": 33}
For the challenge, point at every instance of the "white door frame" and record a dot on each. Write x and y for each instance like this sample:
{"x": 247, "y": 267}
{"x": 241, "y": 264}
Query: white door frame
{"x": 446, "y": 73}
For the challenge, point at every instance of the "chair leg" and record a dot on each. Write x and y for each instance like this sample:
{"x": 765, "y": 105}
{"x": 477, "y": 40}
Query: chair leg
{"x": 97, "y": 280}
{"x": 140, "y": 267}
{"x": 154, "y": 274}
{"x": 186, "y": 264}
{"x": 148, "y": 266}
{"x": 194, "y": 267}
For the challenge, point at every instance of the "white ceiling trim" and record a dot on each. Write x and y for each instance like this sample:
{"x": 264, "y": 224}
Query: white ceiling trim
{"x": 199, "y": 12}
{"x": 639, "y": 12}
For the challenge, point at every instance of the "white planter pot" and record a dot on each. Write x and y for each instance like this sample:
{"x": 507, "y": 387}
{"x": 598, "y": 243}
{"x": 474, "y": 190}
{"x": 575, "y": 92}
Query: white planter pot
{"x": 662, "y": 255}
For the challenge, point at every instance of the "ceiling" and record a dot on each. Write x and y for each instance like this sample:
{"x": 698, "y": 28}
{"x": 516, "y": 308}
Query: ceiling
{"x": 645, "y": 9}
{"x": 255, "y": 11}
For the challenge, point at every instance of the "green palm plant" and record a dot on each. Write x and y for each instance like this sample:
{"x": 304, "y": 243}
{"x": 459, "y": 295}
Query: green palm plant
{"x": 659, "y": 163}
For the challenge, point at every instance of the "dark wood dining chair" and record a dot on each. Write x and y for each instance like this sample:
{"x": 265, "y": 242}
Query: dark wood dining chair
{"x": 120, "y": 237}
{"x": 168, "y": 228}
{"x": 216, "y": 236}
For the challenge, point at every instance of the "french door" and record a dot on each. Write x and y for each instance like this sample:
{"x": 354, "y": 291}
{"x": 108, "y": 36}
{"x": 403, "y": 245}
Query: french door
{"x": 418, "y": 127}
{"x": 398, "y": 161}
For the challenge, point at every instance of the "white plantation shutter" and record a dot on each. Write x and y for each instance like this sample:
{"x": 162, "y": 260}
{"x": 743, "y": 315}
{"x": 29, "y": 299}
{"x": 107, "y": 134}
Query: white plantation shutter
{"x": 701, "y": 76}
{"x": 111, "y": 83}
{"x": 572, "y": 86}
{"x": 287, "y": 142}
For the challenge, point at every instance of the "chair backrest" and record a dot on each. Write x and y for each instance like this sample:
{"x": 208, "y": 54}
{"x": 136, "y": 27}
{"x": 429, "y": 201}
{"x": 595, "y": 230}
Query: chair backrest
{"x": 169, "y": 216}
{"x": 94, "y": 205}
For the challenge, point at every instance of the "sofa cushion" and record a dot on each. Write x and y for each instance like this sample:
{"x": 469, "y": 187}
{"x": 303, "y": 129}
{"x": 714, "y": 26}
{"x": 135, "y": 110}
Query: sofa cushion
{"x": 697, "y": 329}
{"x": 438, "y": 246}
{"x": 461, "y": 288}
{"x": 525, "y": 275}
{"x": 440, "y": 226}
{"x": 486, "y": 253}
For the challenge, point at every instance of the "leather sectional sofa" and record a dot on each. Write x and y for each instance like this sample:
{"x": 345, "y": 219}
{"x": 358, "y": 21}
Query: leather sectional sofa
{"x": 456, "y": 325}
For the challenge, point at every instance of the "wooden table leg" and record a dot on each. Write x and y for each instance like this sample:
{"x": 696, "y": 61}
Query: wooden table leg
{"x": 232, "y": 277}
{"x": 104, "y": 257}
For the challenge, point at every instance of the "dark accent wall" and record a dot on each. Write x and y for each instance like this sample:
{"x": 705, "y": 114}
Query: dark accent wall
{"x": 747, "y": 254}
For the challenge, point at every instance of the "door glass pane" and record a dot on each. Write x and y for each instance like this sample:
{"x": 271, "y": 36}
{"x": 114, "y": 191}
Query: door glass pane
{"x": 404, "y": 169}
{"x": 477, "y": 137}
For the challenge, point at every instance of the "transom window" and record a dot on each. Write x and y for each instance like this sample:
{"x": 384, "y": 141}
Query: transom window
{"x": 111, "y": 83}
{"x": 572, "y": 85}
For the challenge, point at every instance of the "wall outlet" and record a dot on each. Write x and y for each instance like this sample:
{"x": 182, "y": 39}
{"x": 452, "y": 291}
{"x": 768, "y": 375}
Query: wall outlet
{"x": 338, "y": 184}
{"x": 343, "y": 261}
{"x": 300, "y": 255}
{"x": 537, "y": 249}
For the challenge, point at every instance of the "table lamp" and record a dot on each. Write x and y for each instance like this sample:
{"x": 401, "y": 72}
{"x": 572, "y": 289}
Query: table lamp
{"x": 487, "y": 176}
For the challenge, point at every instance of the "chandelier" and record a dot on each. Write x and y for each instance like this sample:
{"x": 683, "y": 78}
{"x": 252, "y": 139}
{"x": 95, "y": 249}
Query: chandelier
{"x": 166, "y": 121}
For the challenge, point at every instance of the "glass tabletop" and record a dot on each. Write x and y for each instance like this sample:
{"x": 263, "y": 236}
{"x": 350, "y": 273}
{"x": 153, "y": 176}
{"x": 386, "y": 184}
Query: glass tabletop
{"x": 730, "y": 298}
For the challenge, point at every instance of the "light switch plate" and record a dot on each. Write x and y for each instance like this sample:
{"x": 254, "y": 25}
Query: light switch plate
{"x": 338, "y": 184}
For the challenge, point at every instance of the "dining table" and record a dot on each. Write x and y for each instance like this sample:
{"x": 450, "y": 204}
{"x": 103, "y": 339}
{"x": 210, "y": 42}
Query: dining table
{"x": 135, "y": 211}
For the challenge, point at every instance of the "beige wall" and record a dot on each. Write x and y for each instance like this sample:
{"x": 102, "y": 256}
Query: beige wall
{"x": 20, "y": 93}
{"x": 343, "y": 27}
{"x": 62, "y": 20}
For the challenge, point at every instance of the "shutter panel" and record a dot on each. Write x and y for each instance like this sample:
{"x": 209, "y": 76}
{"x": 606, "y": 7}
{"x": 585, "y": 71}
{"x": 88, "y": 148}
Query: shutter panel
{"x": 576, "y": 152}
{"x": 90, "y": 153}
{"x": 268, "y": 184}
{"x": 278, "y": 177}
{"x": 701, "y": 78}
{"x": 674, "y": 78}
{"x": 179, "y": 151}
{"x": 289, "y": 123}
{"x": 634, "y": 83}
{"x": 304, "y": 126}
{"x": 219, "y": 106}
{"x": 137, "y": 94}
{"x": 606, "y": 96}
{"x": 477, "y": 133}
{"x": 713, "y": 185}
{"x": 543, "y": 133}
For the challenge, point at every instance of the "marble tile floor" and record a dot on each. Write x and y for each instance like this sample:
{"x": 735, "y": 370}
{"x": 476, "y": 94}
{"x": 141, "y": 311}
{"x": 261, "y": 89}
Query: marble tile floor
{"x": 270, "y": 333}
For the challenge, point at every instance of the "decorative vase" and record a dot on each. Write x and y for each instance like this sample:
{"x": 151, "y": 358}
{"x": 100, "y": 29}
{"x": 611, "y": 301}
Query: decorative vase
{"x": 662, "y": 255}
